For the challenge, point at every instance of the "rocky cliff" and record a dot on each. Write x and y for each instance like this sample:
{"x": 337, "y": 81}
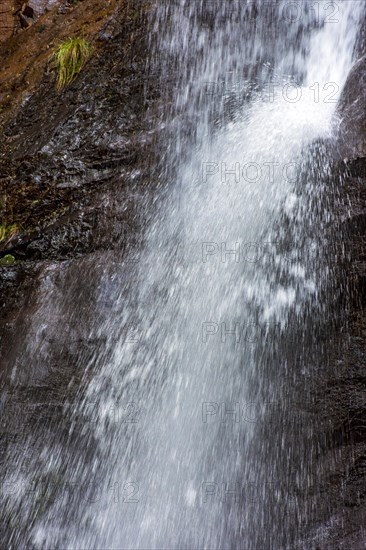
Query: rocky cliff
{"x": 64, "y": 155}
{"x": 342, "y": 394}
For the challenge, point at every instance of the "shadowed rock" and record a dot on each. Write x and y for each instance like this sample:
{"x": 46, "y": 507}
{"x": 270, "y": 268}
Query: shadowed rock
{"x": 352, "y": 112}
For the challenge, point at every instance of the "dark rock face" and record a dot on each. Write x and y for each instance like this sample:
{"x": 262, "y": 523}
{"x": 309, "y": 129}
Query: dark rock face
{"x": 352, "y": 112}
{"x": 66, "y": 155}
{"x": 343, "y": 391}
{"x": 75, "y": 169}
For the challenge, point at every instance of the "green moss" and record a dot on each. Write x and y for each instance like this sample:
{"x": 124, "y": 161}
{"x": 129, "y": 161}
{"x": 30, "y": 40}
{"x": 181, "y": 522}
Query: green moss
{"x": 70, "y": 57}
{"x": 7, "y": 260}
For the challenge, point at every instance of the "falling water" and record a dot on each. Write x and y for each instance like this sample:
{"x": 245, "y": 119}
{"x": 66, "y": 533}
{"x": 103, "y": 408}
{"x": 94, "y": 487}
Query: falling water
{"x": 187, "y": 407}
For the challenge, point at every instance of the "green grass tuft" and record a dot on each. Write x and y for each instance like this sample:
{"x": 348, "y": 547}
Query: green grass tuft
{"x": 7, "y": 232}
{"x": 70, "y": 57}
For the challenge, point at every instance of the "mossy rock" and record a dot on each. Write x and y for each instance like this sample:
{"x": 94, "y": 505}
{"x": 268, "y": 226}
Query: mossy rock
{"x": 7, "y": 260}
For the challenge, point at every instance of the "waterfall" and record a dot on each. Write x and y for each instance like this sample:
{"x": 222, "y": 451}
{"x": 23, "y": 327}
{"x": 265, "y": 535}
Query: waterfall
{"x": 189, "y": 405}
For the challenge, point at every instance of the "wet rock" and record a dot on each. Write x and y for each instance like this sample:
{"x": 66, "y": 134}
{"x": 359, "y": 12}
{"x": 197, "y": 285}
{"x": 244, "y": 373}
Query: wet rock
{"x": 343, "y": 391}
{"x": 352, "y": 113}
{"x": 74, "y": 172}
{"x": 74, "y": 167}
{"x": 78, "y": 150}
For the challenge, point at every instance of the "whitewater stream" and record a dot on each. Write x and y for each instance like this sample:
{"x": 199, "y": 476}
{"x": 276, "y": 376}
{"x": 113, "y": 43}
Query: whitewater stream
{"x": 185, "y": 434}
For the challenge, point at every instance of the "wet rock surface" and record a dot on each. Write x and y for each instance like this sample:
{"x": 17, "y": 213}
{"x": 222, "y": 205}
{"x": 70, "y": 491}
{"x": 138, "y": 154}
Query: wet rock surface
{"x": 342, "y": 393}
{"x": 352, "y": 110}
{"x": 73, "y": 164}
{"x": 75, "y": 168}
